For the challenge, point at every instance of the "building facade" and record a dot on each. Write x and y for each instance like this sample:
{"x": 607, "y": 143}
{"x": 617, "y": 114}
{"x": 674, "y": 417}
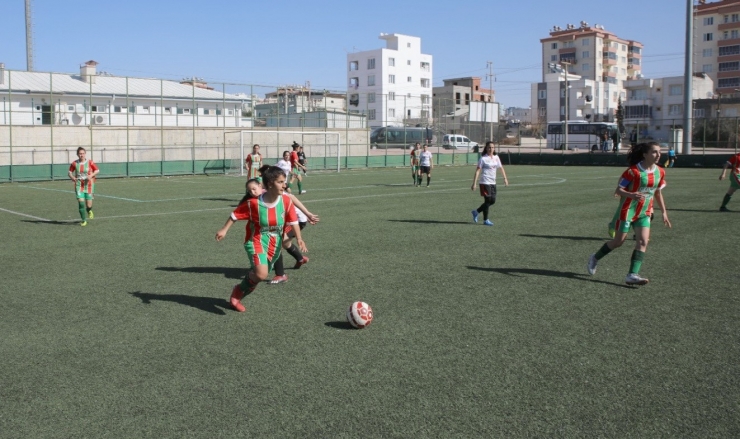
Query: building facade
{"x": 391, "y": 85}
{"x": 717, "y": 43}
{"x": 454, "y": 97}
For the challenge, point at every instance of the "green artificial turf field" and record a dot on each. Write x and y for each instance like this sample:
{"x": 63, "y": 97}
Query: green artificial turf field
{"x": 122, "y": 328}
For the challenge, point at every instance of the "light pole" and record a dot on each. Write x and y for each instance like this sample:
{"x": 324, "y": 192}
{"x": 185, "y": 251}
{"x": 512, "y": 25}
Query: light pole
{"x": 719, "y": 104}
{"x": 565, "y": 65}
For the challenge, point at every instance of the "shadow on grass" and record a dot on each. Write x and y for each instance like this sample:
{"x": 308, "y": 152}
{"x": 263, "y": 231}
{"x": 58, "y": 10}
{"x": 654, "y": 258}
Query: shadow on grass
{"x": 339, "y": 325}
{"x": 571, "y": 238}
{"x": 431, "y": 222}
{"x": 520, "y": 272}
{"x": 703, "y": 210}
{"x": 228, "y": 272}
{"x": 207, "y": 304}
{"x": 55, "y": 223}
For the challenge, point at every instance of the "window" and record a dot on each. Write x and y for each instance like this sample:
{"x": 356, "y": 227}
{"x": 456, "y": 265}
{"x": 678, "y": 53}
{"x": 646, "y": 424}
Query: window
{"x": 354, "y": 65}
{"x": 585, "y": 67}
{"x": 728, "y": 82}
{"x": 408, "y": 44}
{"x": 425, "y": 99}
{"x": 457, "y": 98}
{"x": 118, "y": 109}
{"x": 391, "y": 112}
{"x": 167, "y": 110}
{"x": 698, "y": 112}
{"x": 425, "y": 82}
{"x": 735, "y": 18}
{"x": 675, "y": 110}
{"x": 229, "y": 112}
{"x": 637, "y": 111}
{"x": 706, "y": 53}
{"x": 391, "y": 79}
{"x": 729, "y": 66}
{"x": 729, "y": 50}
{"x": 541, "y": 94}
{"x": 371, "y": 114}
{"x": 391, "y": 95}
{"x": 207, "y": 111}
{"x": 707, "y": 37}
{"x": 371, "y": 63}
{"x": 371, "y": 80}
{"x": 146, "y": 109}
{"x": 708, "y": 21}
{"x": 585, "y": 42}
{"x": 408, "y": 79}
{"x": 634, "y": 61}
{"x": 554, "y": 45}
{"x": 97, "y": 108}
{"x": 706, "y": 68}
{"x": 675, "y": 90}
{"x": 371, "y": 98}
{"x": 408, "y": 62}
{"x": 553, "y": 58}
{"x": 425, "y": 67}
{"x": 354, "y": 82}
{"x": 391, "y": 62}
{"x": 585, "y": 54}
{"x": 542, "y": 111}
{"x": 639, "y": 94}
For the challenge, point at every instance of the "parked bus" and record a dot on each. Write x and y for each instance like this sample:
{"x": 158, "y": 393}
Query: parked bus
{"x": 582, "y": 134}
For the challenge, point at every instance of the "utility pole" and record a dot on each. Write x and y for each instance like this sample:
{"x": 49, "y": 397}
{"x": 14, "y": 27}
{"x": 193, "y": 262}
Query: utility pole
{"x": 565, "y": 65}
{"x": 489, "y": 64}
{"x": 719, "y": 112}
{"x": 688, "y": 81}
{"x": 29, "y": 38}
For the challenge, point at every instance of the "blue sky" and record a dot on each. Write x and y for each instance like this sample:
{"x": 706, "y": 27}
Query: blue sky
{"x": 272, "y": 43}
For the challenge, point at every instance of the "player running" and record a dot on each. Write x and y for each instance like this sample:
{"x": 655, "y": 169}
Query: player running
{"x": 291, "y": 248}
{"x": 253, "y": 163}
{"x": 415, "y": 175}
{"x": 734, "y": 163}
{"x": 488, "y": 165}
{"x": 303, "y": 160}
{"x": 426, "y": 164}
{"x": 296, "y": 168}
{"x": 638, "y": 185}
{"x": 266, "y": 217}
{"x": 83, "y": 172}
{"x": 284, "y": 164}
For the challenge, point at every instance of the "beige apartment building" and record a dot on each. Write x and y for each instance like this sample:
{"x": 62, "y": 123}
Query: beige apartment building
{"x": 717, "y": 43}
{"x": 592, "y": 52}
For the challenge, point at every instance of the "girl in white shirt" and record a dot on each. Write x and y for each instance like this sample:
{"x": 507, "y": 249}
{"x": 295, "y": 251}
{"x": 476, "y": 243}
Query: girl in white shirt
{"x": 488, "y": 165}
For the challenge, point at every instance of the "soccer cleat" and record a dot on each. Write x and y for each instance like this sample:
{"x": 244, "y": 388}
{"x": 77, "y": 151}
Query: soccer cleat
{"x": 635, "y": 279}
{"x": 592, "y": 264}
{"x": 236, "y": 296}
{"x": 475, "y": 215}
{"x": 612, "y": 232}
{"x": 279, "y": 279}
{"x": 303, "y": 192}
{"x": 90, "y": 214}
{"x": 301, "y": 262}
{"x": 83, "y": 224}
{"x": 724, "y": 209}
{"x": 488, "y": 222}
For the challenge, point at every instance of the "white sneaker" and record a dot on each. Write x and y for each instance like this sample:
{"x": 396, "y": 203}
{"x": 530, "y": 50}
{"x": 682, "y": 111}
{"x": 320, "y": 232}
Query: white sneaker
{"x": 303, "y": 192}
{"x": 591, "y": 266}
{"x": 635, "y": 279}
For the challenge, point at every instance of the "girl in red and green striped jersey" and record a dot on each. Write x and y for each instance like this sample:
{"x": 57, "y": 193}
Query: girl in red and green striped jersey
{"x": 734, "y": 164}
{"x": 266, "y": 217}
{"x": 83, "y": 173}
{"x": 642, "y": 182}
{"x": 253, "y": 163}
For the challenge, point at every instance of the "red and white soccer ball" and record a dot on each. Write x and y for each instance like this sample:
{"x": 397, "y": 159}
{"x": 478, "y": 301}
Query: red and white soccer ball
{"x": 359, "y": 314}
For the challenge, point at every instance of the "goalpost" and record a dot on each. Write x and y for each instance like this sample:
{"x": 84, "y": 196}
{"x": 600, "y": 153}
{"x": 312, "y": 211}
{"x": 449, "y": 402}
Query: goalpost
{"x": 322, "y": 148}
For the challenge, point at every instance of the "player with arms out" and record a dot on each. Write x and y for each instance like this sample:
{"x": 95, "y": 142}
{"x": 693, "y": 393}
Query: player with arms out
{"x": 266, "y": 216}
{"x": 83, "y": 173}
{"x": 734, "y": 164}
{"x": 253, "y": 163}
{"x": 642, "y": 182}
{"x": 296, "y": 168}
{"x": 488, "y": 165}
{"x": 426, "y": 164}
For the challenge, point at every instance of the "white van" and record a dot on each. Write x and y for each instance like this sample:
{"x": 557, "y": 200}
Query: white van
{"x": 458, "y": 141}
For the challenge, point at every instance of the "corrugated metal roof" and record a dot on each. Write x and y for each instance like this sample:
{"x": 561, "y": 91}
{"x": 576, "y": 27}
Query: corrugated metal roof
{"x": 64, "y": 83}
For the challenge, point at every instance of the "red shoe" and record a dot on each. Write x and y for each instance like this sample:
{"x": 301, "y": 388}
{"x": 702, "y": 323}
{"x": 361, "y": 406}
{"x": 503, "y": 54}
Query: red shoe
{"x": 301, "y": 262}
{"x": 236, "y": 297}
{"x": 279, "y": 279}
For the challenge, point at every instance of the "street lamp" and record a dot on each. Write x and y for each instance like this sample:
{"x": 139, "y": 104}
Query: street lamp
{"x": 565, "y": 65}
{"x": 719, "y": 110}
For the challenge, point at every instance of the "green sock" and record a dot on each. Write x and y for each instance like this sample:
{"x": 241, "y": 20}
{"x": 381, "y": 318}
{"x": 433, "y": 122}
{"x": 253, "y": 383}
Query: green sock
{"x": 248, "y": 284}
{"x": 726, "y": 200}
{"x": 603, "y": 251}
{"x": 636, "y": 262}
{"x": 300, "y": 187}
{"x": 83, "y": 212}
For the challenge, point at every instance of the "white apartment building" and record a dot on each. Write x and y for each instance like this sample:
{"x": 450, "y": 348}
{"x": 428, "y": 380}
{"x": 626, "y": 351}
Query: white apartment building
{"x": 518, "y": 115}
{"x": 587, "y": 99}
{"x": 655, "y": 106}
{"x": 717, "y": 43}
{"x": 592, "y": 52}
{"x": 391, "y": 85}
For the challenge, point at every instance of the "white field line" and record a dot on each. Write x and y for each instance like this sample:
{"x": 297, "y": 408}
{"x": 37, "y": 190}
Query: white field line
{"x": 24, "y": 214}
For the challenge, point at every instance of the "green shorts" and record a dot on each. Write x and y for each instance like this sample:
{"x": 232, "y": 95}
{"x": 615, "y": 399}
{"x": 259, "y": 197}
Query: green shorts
{"x": 84, "y": 196}
{"x": 414, "y": 169}
{"x": 624, "y": 226}
{"x": 735, "y": 181}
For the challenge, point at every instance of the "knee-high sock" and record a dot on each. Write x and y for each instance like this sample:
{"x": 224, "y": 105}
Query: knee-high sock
{"x": 428, "y": 180}
{"x": 603, "y": 251}
{"x": 249, "y": 283}
{"x": 295, "y": 252}
{"x": 278, "y": 267}
{"x": 83, "y": 212}
{"x": 636, "y": 262}
{"x": 300, "y": 187}
{"x": 726, "y": 200}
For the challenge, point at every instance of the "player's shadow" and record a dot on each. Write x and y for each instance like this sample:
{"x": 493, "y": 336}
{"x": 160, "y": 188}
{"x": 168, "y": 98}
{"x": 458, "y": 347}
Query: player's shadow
{"x": 521, "y": 272}
{"x": 429, "y": 222}
{"x": 703, "y": 210}
{"x": 570, "y": 238}
{"x": 339, "y": 325}
{"x": 227, "y": 272}
{"x": 54, "y": 223}
{"x": 207, "y": 304}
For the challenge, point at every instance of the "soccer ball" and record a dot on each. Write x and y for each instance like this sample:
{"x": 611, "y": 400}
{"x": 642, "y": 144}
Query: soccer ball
{"x": 359, "y": 314}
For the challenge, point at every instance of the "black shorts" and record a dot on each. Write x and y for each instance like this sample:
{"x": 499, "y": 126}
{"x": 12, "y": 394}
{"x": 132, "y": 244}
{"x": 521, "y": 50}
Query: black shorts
{"x": 291, "y": 233}
{"x": 426, "y": 169}
{"x": 488, "y": 191}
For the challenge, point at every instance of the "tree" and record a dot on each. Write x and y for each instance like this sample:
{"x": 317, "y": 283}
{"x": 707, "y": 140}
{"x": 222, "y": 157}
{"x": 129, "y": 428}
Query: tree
{"x": 620, "y": 116}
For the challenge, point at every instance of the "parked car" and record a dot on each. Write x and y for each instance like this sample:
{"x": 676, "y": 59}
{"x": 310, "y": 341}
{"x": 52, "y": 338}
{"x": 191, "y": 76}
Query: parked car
{"x": 458, "y": 141}
{"x": 400, "y": 137}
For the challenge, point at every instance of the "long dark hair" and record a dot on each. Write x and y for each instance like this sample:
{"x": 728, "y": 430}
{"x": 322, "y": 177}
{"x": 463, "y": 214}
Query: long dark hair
{"x": 638, "y": 151}
{"x": 271, "y": 175}
{"x": 489, "y": 147}
{"x": 248, "y": 196}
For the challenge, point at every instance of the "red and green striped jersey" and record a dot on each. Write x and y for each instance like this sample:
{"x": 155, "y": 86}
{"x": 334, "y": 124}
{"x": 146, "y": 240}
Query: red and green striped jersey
{"x": 82, "y": 171}
{"x": 646, "y": 181}
{"x": 734, "y": 162}
{"x": 254, "y": 162}
{"x": 294, "y": 160}
{"x": 265, "y": 221}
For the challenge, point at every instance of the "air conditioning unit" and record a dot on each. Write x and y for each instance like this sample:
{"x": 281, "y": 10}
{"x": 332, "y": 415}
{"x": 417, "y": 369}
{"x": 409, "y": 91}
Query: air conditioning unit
{"x": 79, "y": 109}
{"x": 99, "y": 120}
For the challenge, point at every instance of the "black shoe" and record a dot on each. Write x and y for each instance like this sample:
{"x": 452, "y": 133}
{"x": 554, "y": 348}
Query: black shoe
{"x": 724, "y": 209}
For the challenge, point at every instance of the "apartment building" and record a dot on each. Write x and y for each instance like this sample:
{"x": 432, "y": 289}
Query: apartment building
{"x": 717, "y": 42}
{"x": 454, "y": 97}
{"x": 391, "y": 85}
{"x": 592, "y": 53}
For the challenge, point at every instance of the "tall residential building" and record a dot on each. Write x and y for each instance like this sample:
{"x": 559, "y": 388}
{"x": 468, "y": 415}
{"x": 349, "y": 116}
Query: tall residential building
{"x": 717, "y": 43}
{"x": 391, "y": 85}
{"x": 592, "y": 52}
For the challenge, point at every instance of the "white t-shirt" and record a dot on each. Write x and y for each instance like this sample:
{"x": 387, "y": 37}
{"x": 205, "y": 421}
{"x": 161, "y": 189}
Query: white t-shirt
{"x": 285, "y": 166}
{"x": 488, "y": 166}
{"x": 425, "y": 158}
{"x": 302, "y": 218}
